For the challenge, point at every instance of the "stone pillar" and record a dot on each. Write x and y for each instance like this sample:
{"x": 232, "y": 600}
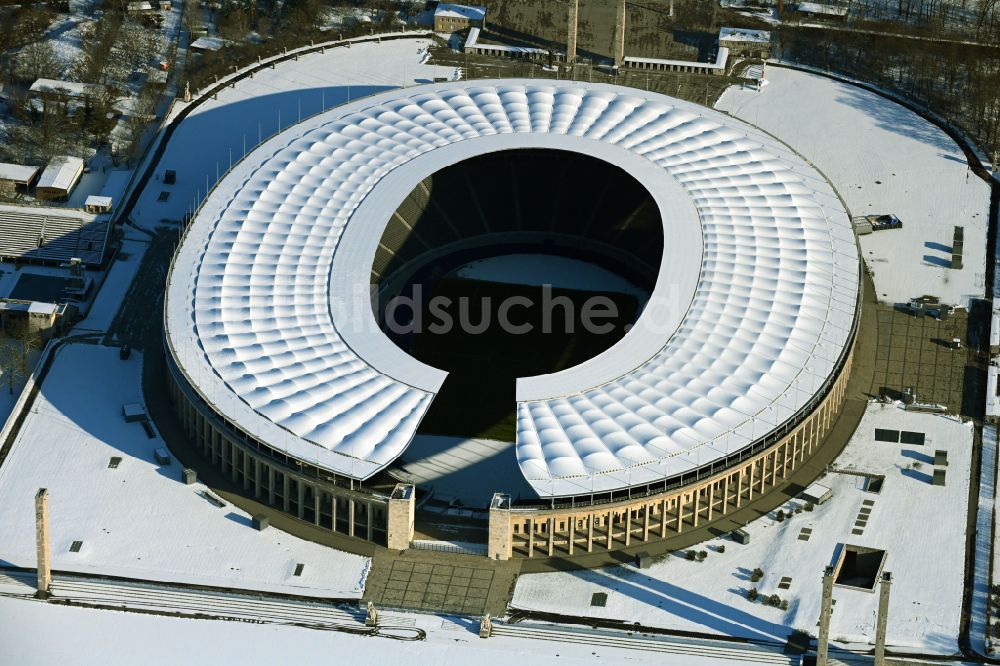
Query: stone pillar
{"x": 571, "y": 23}
{"x": 499, "y": 544}
{"x": 43, "y": 550}
{"x": 826, "y": 608}
{"x": 402, "y": 505}
{"x": 620, "y": 34}
{"x": 883, "y": 618}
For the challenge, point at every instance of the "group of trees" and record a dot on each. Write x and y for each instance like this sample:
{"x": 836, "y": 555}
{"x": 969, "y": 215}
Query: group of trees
{"x": 958, "y": 82}
{"x": 17, "y": 352}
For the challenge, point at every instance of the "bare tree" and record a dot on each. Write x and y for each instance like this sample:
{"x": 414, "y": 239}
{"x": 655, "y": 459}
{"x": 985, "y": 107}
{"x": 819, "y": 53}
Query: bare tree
{"x": 16, "y": 354}
{"x": 38, "y": 60}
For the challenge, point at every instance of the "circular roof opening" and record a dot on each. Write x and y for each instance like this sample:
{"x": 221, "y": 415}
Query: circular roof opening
{"x": 513, "y": 264}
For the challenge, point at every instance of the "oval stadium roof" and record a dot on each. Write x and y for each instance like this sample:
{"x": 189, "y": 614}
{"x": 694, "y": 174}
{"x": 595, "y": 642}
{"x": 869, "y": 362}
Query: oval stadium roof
{"x": 269, "y": 313}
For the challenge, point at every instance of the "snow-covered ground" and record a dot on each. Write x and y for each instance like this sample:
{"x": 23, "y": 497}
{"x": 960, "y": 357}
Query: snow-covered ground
{"x": 217, "y": 131}
{"x": 139, "y": 520}
{"x": 87, "y": 637}
{"x": 882, "y": 158}
{"x": 112, "y": 292}
{"x": 921, "y": 526}
{"x": 538, "y": 269}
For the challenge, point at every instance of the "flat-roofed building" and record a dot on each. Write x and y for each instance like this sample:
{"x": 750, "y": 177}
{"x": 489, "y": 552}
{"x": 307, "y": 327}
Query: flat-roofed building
{"x": 19, "y": 317}
{"x": 98, "y": 204}
{"x": 744, "y": 43}
{"x": 452, "y": 18}
{"x": 59, "y": 178}
{"x": 18, "y": 177}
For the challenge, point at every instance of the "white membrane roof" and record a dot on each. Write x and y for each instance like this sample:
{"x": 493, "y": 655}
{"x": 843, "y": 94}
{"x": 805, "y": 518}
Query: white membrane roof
{"x": 269, "y": 316}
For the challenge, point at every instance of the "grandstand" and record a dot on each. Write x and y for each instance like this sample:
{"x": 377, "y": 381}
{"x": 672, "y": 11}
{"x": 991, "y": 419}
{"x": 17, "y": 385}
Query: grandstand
{"x": 726, "y": 382}
{"x": 52, "y": 235}
{"x": 532, "y": 196}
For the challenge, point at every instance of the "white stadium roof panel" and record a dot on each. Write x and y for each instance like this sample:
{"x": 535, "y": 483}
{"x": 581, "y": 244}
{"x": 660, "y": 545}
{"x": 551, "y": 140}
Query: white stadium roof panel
{"x": 269, "y": 312}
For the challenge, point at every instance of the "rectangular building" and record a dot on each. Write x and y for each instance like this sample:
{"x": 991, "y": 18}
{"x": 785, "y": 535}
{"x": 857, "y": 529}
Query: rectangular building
{"x": 18, "y": 178}
{"x": 452, "y": 18}
{"x": 59, "y": 178}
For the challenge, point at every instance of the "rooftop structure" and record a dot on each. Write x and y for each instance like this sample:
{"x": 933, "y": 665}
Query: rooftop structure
{"x": 751, "y": 315}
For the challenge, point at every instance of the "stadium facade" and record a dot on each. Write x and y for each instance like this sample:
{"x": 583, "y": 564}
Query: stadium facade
{"x": 729, "y": 380}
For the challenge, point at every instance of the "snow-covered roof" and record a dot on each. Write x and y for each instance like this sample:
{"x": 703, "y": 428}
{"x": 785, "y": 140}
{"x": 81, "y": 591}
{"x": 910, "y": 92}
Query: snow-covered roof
{"x": 17, "y": 172}
{"x": 744, "y": 35}
{"x": 68, "y": 88}
{"x": 97, "y": 200}
{"x": 269, "y": 312}
{"x": 61, "y": 172}
{"x": 208, "y": 43}
{"x": 31, "y": 307}
{"x": 470, "y": 12}
{"x": 819, "y": 8}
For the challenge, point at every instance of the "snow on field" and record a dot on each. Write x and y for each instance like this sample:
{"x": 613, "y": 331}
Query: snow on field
{"x": 921, "y": 526}
{"x": 139, "y": 520}
{"x": 536, "y": 269}
{"x": 215, "y": 132}
{"x": 882, "y": 158}
{"x": 87, "y": 637}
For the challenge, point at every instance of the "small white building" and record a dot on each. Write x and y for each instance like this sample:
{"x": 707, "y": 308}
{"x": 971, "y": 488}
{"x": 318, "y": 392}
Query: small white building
{"x": 59, "y": 178}
{"x": 207, "y": 43}
{"x": 98, "y": 204}
{"x": 139, "y": 7}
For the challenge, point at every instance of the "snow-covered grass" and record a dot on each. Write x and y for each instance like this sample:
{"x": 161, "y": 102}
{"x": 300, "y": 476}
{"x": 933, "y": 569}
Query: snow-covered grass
{"x": 882, "y": 158}
{"x": 139, "y": 520}
{"x": 921, "y": 526}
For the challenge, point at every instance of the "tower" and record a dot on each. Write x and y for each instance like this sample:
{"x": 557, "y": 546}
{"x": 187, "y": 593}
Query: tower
{"x": 620, "y": 35}
{"x": 571, "y": 23}
{"x": 42, "y": 547}
{"x": 883, "y": 618}
{"x": 826, "y": 609}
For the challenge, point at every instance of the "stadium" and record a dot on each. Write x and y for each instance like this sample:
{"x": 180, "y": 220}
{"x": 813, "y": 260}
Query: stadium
{"x": 721, "y": 377}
